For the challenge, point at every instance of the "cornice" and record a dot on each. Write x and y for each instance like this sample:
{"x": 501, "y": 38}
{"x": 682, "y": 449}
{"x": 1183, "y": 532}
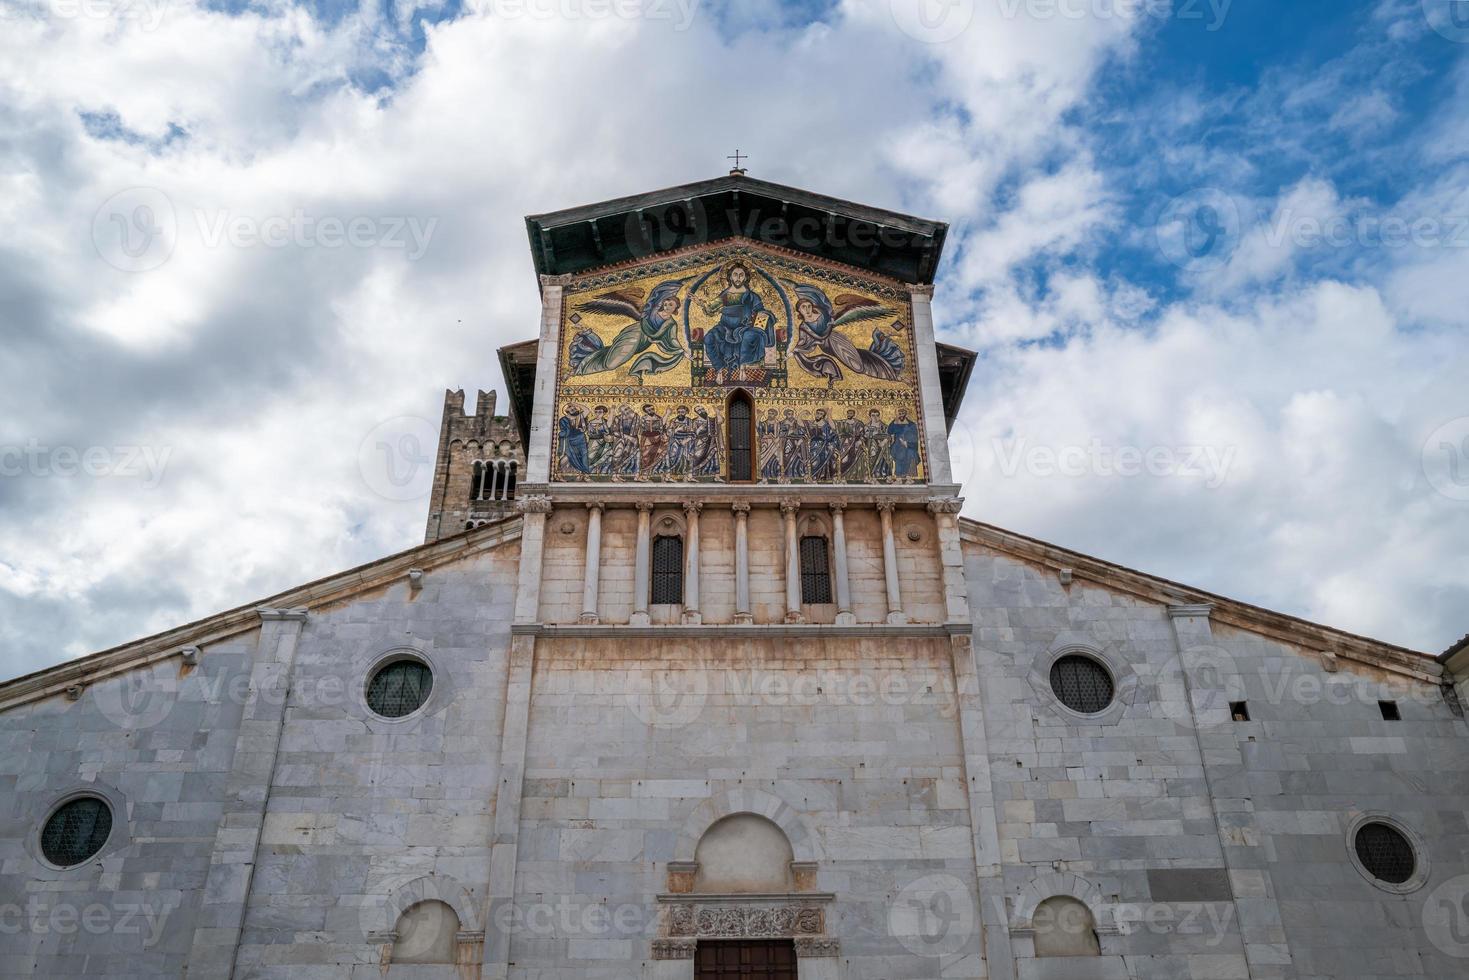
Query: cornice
{"x": 756, "y": 494}
{"x": 293, "y": 604}
{"x": 743, "y": 631}
{"x": 1190, "y": 601}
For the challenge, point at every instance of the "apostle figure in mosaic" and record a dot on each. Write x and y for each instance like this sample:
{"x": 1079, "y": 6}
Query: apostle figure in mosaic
{"x": 599, "y": 442}
{"x": 878, "y": 444}
{"x": 571, "y": 437}
{"x": 823, "y": 351}
{"x": 652, "y": 440}
{"x": 825, "y": 448}
{"x": 851, "y": 440}
{"x": 625, "y": 454}
{"x": 651, "y": 344}
{"x": 904, "y": 447}
{"x": 794, "y": 457}
{"x": 767, "y": 434}
{"x": 678, "y": 461}
{"x": 708, "y": 442}
{"x": 744, "y": 330}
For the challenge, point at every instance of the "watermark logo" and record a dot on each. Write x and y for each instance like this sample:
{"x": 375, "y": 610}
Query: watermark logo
{"x": 396, "y": 459}
{"x": 1209, "y": 676}
{"x": 301, "y": 229}
{"x": 1446, "y": 917}
{"x": 40, "y": 917}
{"x": 1208, "y": 464}
{"x": 932, "y": 21}
{"x": 663, "y": 227}
{"x": 679, "y": 13}
{"x": 933, "y": 916}
{"x": 1199, "y": 230}
{"x": 669, "y": 698}
{"x": 39, "y": 459}
{"x": 147, "y": 14}
{"x": 1211, "y": 13}
{"x": 1450, "y": 18}
{"x": 1445, "y": 458}
{"x": 135, "y": 230}
{"x": 137, "y": 700}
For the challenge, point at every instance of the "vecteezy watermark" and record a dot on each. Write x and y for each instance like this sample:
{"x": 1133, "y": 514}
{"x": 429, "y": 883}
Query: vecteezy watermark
{"x": 396, "y": 459}
{"x": 679, "y": 224}
{"x": 1210, "y": 464}
{"x": 1367, "y": 230}
{"x": 1450, "y": 18}
{"x": 302, "y": 229}
{"x": 1445, "y": 458}
{"x": 137, "y": 230}
{"x": 933, "y": 916}
{"x": 932, "y": 21}
{"x": 147, "y": 14}
{"x": 1199, "y": 230}
{"x": 39, "y": 459}
{"x": 1211, "y": 13}
{"x": 679, "y": 13}
{"x": 1210, "y": 920}
{"x": 1446, "y": 917}
{"x": 41, "y": 917}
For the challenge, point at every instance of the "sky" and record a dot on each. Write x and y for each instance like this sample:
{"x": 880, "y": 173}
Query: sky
{"x": 1213, "y": 256}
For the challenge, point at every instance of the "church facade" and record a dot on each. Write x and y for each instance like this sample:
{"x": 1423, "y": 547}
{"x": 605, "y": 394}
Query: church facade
{"x": 700, "y": 674}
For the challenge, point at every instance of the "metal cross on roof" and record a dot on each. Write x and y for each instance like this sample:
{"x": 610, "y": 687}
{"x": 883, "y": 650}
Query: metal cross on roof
{"x": 737, "y": 156}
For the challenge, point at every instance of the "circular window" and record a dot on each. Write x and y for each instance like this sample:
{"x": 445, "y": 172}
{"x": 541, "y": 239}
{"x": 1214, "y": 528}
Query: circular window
{"x": 1385, "y": 853}
{"x": 400, "y": 688}
{"x": 76, "y": 831}
{"x": 1082, "y": 684}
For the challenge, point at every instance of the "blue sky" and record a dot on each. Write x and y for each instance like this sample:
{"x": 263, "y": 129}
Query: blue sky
{"x": 1232, "y": 235}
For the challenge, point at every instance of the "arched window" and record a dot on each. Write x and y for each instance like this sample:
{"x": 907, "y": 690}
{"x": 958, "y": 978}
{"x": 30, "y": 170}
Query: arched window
{"x": 426, "y": 933}
{"x": 510, "y": 481}
{"x": 667, "y": 569}
{"x": 1064, "y": 926}
{"x": 477, "y": 481}
{"x": 815, "y": 570}
{"x": 741, "y": 438}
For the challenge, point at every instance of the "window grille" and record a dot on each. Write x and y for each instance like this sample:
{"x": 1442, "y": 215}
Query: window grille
{"x": 667, "y": 570}
{"x": 741, "y": 443}
{"x": 1385, "y": 853}
{"x": 76, "y": 831}
{"x": 400, "y": 688}
{"x": 1081, "y": 684}
{"x": 815, "y": 570}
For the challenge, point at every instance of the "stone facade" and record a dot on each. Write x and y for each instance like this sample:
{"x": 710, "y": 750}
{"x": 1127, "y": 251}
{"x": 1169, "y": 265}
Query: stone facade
{"x": 479, "y": 461}
{"x": 597, "y": 785}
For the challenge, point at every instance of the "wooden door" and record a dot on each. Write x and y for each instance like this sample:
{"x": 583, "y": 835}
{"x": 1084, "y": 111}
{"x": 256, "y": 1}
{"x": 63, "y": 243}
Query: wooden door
{"x": 746, "y": 959}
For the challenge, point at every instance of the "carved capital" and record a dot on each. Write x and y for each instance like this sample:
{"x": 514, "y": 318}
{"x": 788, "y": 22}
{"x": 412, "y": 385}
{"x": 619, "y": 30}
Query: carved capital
{"x": 945, "y": 505}
{"x": 535, "y": 504}
{"x": 563, "y": 280}
{"x": 595, "y": 504}
{"x": 674, "y": 949}
{"x": 920, "y": 289}
{"x": 886, "y": 506}
{"x": 644, "y": 506}
{"x": 789, "y": 506}
{"x": 691, "y": 508}
{"x": 837, "y": 506}
{"x": 740, "y": 506}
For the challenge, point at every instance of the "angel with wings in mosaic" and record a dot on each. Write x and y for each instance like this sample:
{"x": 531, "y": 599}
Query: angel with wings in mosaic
{"x": 651, "y": 344}
{"x": 825, "y": 352}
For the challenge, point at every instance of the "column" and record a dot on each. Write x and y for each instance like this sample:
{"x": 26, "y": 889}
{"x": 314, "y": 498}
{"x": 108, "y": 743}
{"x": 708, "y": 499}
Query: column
{"x": 789, "y": 508}
{"x": 845, "y": 617}
{"x": 640, "y": 566}
{"x": 593, "y": 569}
{"x": 935, "y": 426}
{"x": 742, "y": 563}
{"x": 691, "y": 562}
{"x": 890, "y": 563}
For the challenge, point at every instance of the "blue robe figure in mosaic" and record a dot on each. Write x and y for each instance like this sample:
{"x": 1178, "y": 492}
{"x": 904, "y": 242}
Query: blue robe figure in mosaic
{"x": 571, "y": 436}
{"x": 904, "y": 449}
{"x": 744, "y": 330}
{"x": 825, "y": 448}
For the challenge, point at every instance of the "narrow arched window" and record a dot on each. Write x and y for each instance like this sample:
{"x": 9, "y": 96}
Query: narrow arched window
{"x": 815, "y": 570}
{"x": 741, "y": 439}
{"x": 510, "y": 485}
{"x": 667, "y": 569}
{"x": 477, "y": 481}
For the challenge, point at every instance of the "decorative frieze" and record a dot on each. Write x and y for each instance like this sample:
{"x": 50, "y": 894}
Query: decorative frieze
{"x": 674, "y": 949}
{"x": 746, "y": 921}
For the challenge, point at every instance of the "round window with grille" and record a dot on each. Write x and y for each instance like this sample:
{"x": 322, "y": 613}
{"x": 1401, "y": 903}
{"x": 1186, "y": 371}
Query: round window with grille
{"x": 400, "y": 688}
{"x": 1385, "y": 853}
{"x": 1082, "y": 684}
{"x": 76, "y": 831}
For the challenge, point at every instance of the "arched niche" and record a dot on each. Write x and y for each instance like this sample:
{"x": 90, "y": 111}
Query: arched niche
{"x": 1064, "y": 926}
{"x": 427, "y": 932}
{"x": 741, "y": 854}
